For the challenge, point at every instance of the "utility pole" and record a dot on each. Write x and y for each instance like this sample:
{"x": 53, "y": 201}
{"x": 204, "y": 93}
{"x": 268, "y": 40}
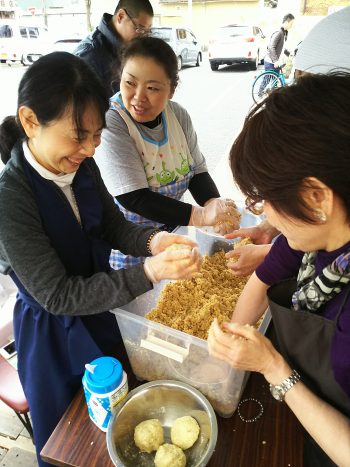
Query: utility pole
{"x": 43, "y": 6}
{"x": 88, "y": 14}
{"x": 189, "y": 13}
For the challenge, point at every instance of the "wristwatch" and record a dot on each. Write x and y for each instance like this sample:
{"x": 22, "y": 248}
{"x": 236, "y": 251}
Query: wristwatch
{"x": 279, "y": 391}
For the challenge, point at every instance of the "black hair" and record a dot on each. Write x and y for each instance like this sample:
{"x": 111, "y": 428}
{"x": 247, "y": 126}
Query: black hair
{"x": 158, "y": 50}
{"x": 299, "y": 131}
{"x": 135, "y": 7}
{"x": 288, "y": 17}
{"x": 48, "y": 87}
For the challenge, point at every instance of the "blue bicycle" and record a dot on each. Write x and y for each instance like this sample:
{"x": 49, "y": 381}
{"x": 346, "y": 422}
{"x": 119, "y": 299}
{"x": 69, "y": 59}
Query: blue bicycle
{"x": 266, "y": 82}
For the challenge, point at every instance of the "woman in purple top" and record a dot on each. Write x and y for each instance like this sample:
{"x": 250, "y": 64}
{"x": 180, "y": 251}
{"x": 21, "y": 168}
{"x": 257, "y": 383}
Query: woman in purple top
{"x": 302, "y": 184}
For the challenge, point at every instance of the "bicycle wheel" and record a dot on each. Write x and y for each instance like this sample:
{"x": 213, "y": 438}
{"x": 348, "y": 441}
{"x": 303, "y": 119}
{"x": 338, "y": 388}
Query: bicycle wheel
{"x": 264, "y": 84}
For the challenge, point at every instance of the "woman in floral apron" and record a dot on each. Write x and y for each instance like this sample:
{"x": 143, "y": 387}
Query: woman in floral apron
{"x": 58, "y": 225}
{"x": 149, "y": 156}
{"x": 302, "y": 184}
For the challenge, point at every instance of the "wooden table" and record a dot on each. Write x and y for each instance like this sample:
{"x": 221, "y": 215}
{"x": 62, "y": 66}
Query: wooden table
{"x": 274, "y": 440}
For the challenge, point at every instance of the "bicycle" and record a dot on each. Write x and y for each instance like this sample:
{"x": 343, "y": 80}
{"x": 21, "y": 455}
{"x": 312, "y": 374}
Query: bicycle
{"x": 266, "y": 82}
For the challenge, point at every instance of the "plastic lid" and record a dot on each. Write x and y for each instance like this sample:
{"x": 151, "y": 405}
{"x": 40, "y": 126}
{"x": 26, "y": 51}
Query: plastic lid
{"x": 103, "y": 374}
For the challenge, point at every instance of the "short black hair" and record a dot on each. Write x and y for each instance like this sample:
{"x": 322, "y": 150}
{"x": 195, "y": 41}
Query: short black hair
{"x": 135, "y": 7}
{"x": 288, "y": 17}
{"x": 299, "y": 131}
{"x": 158, "y": 50}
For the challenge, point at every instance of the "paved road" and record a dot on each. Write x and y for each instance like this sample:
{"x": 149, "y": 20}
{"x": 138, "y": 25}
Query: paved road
{"x": 217, "y": 102}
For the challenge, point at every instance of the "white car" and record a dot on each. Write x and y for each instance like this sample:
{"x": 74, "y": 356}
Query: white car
{"x": 237, "y": 43}
{"x": 67, "y": 44}
{"x": 22, "y": 42}
{"x": 183, "y": 42}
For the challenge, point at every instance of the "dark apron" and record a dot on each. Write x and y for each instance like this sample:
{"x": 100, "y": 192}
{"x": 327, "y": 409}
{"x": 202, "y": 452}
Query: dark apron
{"x": 52, "y": 350}
{"x": 305, "y": 340}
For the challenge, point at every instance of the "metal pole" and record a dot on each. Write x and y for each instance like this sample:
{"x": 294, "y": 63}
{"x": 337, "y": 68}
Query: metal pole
{"x": 43, "y": 5}
{"x": 189, "y": 13}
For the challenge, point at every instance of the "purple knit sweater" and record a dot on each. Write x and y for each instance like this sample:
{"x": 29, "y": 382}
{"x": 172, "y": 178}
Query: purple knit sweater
{"x": 282, "y": 263}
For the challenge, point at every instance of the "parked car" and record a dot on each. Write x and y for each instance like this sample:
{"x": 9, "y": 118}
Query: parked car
{"x": 67, "y": 44}
{"x": 183, "y": 42}
{"x": 22, "y": 42}
{"x": 236, "y": 43}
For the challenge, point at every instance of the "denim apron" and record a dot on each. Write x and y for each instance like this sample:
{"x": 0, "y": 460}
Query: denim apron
{"x": 52, "y": 350}
{"x": 305, "y": 340}
{"x": 168, "y": 165}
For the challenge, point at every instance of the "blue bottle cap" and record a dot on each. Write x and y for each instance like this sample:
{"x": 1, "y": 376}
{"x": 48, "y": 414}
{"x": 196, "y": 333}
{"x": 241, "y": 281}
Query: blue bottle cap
{"x": 103, "y": 374}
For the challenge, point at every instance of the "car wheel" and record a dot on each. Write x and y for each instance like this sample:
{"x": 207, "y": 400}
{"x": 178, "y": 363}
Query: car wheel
{"x": 179, "y": 62}
{"x": 198, "y": 62}
{"x": 214, "y": 66}
{"x": 254, "y": 65}
{"x": 25, "y": 61}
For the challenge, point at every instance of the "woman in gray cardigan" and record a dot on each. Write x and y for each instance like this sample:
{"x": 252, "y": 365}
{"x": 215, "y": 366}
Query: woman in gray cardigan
{"x": 58, "y": 225}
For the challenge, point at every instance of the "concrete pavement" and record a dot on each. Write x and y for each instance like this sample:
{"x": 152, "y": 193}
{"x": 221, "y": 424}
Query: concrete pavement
{"x": 16, "y": 447}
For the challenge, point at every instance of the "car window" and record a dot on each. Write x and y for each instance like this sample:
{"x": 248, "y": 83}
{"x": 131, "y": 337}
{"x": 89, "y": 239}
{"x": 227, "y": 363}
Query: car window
{"x": 234, "y": 31}
{"x": 181, "y": 34}
{"x": 162, "y": 33}
{"x": 192, "y": 37}
{"x": 33, "y": 33}
{"x": 5, "y": 31}
{"x": 23, "y": 32}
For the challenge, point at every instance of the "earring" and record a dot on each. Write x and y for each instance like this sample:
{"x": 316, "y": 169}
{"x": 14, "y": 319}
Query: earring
{"x": 320, "y": 215}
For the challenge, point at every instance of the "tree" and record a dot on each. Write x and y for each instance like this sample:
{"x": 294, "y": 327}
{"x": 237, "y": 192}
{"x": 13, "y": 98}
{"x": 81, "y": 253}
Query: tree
{"x": 88, "y": 14}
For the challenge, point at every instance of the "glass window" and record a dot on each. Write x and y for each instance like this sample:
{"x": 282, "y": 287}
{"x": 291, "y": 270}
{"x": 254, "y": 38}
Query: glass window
{"x": 23, "y": 32}
{"x": 5, "y": 31}
{"x": 162, "y": 33}
{"x": 181, "y": 34}
{"x": 33, "y": 33}
{"x": 233, "y": 31}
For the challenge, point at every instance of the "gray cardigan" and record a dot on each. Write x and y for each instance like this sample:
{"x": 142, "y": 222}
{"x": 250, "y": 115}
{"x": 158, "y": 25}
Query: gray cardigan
{"x": 274, "y": 49}
{"x": 26, "y": 249}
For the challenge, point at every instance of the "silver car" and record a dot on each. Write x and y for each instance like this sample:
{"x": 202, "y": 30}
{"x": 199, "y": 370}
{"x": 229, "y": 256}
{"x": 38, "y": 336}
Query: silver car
{"x": 183, "y": 42}
{"x": 237, "y": 43}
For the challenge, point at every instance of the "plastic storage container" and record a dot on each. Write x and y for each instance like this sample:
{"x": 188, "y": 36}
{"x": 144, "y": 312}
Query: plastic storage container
{"x": 157, "y": 351}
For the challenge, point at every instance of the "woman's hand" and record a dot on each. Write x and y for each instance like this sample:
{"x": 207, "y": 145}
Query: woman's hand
{"x": 217, "y": 212}
{"x": 173, "y": 264}
{"x": 243, "y": 347}
{"x": 248, "y": 258}
{"x": 260, "y": 234}
{"x": 162, "y": 240}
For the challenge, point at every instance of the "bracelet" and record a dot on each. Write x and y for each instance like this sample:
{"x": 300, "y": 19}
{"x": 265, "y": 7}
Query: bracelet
{"x": 254, "y": 419}
{"x": 148, "y": 244}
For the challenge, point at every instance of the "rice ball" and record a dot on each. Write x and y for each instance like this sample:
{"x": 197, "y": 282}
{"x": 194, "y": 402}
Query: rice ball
{"x": 178, "y": 246}
{"x": 148, "y": 435}
{"x": 169, "y": 455}
{"x": 184, "y": 432}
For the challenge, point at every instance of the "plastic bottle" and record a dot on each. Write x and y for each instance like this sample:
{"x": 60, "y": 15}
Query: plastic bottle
{"x": 105, "y": 385}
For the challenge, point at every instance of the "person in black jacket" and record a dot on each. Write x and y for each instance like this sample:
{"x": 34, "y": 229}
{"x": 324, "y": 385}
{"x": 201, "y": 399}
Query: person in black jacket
{"x": 100, "y": 49}
{"x": 275, "y": 48}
